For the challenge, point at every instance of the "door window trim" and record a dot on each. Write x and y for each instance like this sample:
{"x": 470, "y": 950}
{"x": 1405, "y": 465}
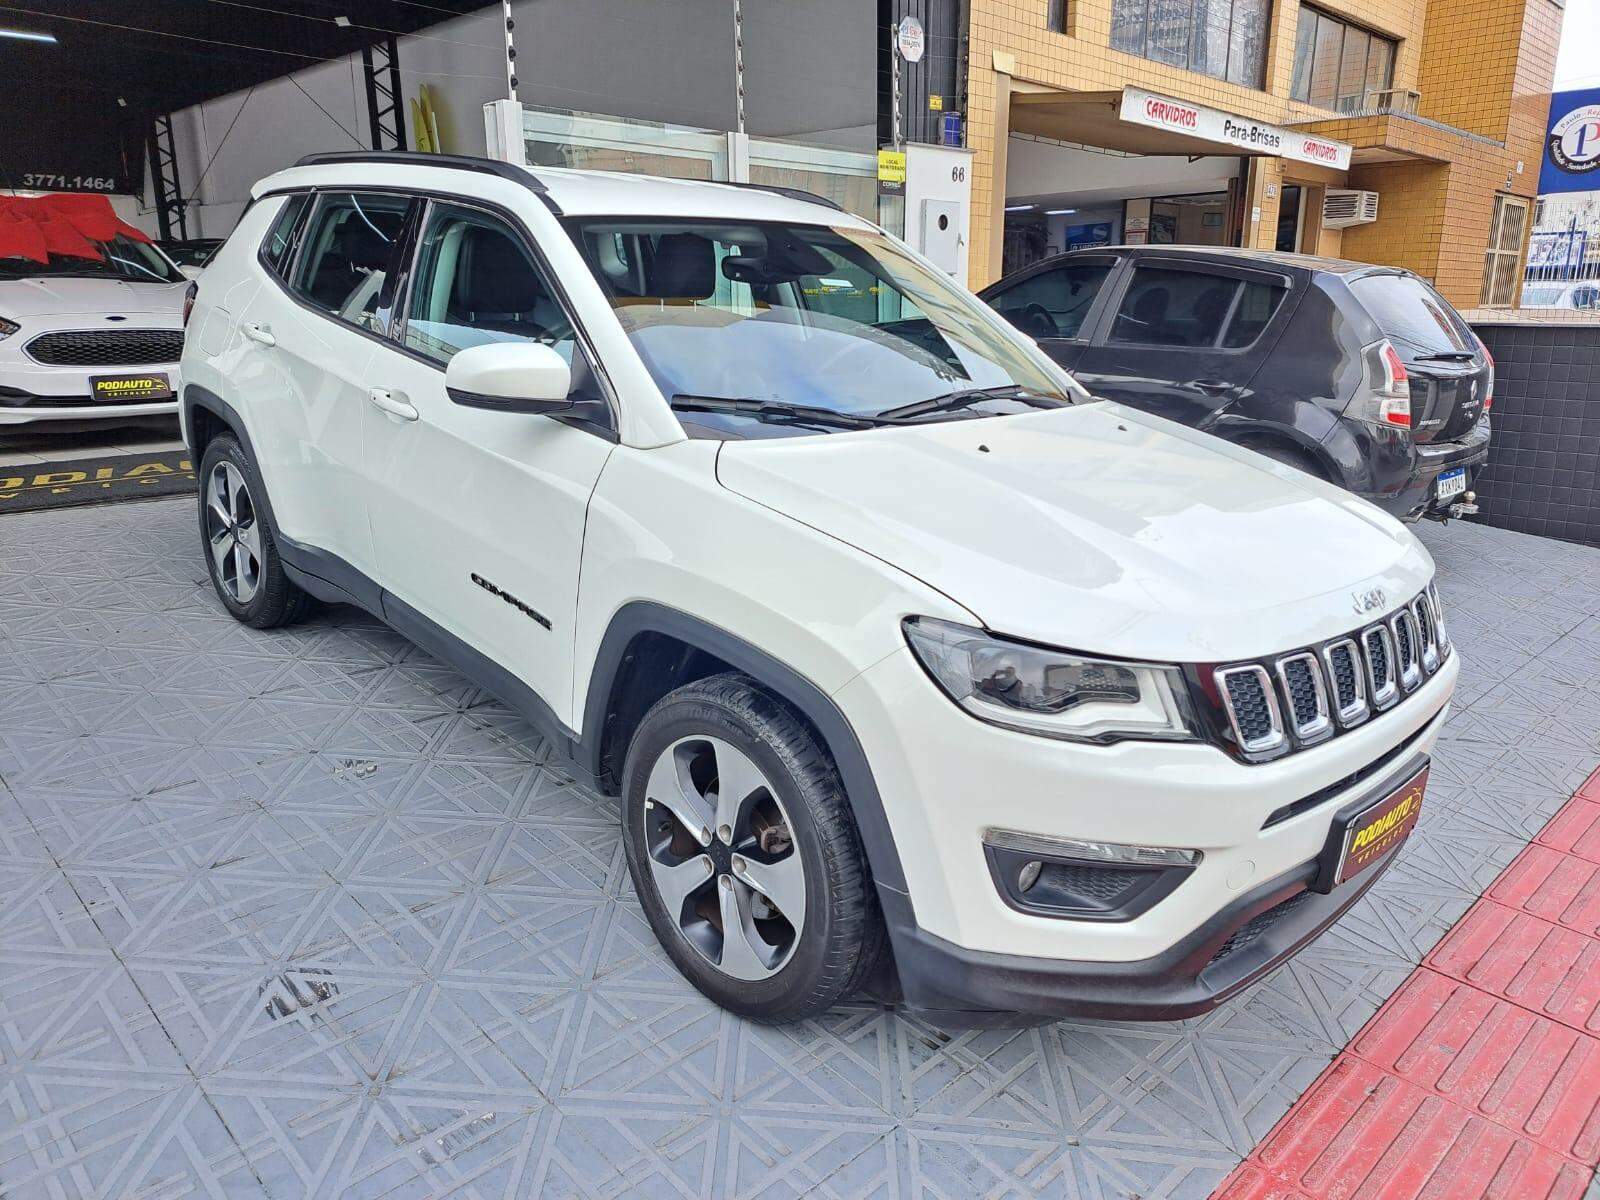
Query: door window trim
{"x": 1241, "y": 274}
{"x": 410, "y": 243}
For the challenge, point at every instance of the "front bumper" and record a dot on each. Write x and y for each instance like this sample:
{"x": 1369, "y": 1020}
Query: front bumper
{"x": 62, "y": 395}
{"x": 1248, "y": 938}
{"x": 945, "y": 778}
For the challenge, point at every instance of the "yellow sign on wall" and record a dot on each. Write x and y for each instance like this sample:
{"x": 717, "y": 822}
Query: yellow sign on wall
{"x": 891, "y": 172}
{"x": 935, "y": 103}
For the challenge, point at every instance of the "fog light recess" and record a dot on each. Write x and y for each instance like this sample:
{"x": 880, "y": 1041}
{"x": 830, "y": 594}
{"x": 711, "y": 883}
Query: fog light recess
{"x": 1083, "y": 880}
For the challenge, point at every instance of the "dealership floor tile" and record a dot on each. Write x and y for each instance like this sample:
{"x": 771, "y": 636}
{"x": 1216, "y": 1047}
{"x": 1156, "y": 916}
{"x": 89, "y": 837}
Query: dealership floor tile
{"x": 304, "y": 913}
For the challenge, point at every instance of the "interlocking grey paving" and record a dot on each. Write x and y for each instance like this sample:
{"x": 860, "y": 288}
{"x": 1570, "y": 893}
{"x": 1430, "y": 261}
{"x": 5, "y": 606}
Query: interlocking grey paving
{"x": 305, "y": 913}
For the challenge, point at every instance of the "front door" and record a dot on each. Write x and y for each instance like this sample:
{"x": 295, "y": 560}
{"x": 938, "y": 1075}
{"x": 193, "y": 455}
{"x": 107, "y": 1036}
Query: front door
{"x": 1185, "y": 338}
{"x": 477, "y": 516}
{"x": 1053, "y": 303}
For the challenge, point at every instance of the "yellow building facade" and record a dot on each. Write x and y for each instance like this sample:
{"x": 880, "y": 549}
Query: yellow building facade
{"x": 1441, "y": 103}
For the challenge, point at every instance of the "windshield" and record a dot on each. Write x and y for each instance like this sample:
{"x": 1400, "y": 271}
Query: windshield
{"x": 839, "y": 319}
{"x": 1409, "y": 311}
{"x": 122, "y": 258}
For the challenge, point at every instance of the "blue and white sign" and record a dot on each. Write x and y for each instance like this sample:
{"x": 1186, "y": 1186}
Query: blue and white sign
{"x": 1572, "y": 147}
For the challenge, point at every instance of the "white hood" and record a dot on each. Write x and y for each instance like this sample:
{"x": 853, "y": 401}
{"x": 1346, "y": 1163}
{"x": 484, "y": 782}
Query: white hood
{"x": 47, "y": 296}
{"x": 1096, "y": 528}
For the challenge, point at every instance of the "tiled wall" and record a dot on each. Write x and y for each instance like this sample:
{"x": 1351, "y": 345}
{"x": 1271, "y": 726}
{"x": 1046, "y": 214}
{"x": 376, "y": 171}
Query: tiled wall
{"x": 1543, "y": 475}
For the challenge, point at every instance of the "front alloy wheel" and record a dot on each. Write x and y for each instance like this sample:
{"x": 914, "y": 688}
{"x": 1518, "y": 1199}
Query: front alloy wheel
{"x": 233, "y": 532}
{"x": 744, "y": 852}
{"x": 723, "y": 857}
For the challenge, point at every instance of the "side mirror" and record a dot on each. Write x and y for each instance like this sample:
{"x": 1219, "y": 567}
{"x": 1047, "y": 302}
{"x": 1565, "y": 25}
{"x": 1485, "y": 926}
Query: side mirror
{"x": 520, "y": 377}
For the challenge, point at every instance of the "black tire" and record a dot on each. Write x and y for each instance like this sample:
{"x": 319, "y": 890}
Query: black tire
{"x": 275, "y": 600}
{"x": 843, "y": 934}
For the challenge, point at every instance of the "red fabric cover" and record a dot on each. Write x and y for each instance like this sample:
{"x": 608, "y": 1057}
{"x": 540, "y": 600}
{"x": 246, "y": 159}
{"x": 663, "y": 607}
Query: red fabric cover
{"x": 35, "y": 227}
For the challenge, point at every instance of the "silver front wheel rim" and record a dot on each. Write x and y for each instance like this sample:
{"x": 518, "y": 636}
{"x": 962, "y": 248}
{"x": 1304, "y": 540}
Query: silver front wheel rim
{"x": 723, "y": 859}
{"x": 233, "y": 532}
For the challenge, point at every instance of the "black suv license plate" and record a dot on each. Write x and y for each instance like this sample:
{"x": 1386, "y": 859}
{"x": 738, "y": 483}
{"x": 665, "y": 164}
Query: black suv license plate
{"x": 1371, "y": 833}
{"x": 130, "y": 389}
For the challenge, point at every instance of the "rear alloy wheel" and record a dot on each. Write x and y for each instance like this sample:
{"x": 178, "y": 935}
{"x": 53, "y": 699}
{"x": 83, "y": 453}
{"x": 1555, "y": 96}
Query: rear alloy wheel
{"x": 241, "y": 554}
{"x": 233, "y": 533}
{"x": 745, "y": 854}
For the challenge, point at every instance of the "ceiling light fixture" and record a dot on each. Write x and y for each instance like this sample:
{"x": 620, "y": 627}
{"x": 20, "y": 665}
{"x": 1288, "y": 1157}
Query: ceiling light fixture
{"x": 1058, "y": 212}
{"x": 23, "y": 35}
{"x": 1019, "y": 208}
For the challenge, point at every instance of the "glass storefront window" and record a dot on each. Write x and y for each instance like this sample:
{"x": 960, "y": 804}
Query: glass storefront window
{"x": 1338, "y": 65}
{"x": 1226, "y": 39}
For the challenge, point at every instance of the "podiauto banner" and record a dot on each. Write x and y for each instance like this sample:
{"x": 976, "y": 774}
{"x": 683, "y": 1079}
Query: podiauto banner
{"x": 1572, "y": 143}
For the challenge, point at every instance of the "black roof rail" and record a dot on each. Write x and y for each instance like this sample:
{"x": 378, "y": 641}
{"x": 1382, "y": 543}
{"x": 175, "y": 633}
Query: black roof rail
{"x": 791, "y": 193}
{"x": 417, "y": 158}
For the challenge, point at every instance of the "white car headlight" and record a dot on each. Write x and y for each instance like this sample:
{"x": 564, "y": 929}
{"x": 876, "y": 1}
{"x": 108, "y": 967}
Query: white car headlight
{"x": 7, "y": 328}
{"x": 1054, "y": 693}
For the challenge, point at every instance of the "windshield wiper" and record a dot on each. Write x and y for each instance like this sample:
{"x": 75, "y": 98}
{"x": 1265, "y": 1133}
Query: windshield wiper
{"x": 967, "y": 397}
{"x": 777, "y": 410}
{"x": 1446, "y": 356}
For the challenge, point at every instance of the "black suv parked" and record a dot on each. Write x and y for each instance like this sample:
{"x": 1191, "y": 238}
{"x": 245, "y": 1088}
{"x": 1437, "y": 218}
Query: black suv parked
{"x": 1363, "y": 375}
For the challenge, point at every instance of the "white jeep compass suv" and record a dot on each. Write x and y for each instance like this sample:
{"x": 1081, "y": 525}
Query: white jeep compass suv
{"x": 895, "y": 645}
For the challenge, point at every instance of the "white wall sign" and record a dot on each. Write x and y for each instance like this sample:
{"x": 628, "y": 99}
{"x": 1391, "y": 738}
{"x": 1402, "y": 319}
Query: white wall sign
{"x": 1209, "y": 124}
{"x": 911, "y": 40}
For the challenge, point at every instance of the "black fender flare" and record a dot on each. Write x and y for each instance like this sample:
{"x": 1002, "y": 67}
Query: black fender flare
{"x": 644, "y": 616}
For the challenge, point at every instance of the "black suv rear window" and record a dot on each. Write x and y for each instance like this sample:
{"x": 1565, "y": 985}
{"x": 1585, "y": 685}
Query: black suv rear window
{"x": 1410, "y": 311}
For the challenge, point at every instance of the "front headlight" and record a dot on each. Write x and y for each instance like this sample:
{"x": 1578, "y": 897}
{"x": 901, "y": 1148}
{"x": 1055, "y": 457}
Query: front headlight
{"x": 7, "y": 328}
{"x": 1052, "y": 692}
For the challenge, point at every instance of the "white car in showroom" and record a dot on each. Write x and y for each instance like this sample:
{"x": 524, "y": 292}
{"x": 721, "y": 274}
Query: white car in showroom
{"x": 896, "y": 647}
{"x": 88, "y": 341}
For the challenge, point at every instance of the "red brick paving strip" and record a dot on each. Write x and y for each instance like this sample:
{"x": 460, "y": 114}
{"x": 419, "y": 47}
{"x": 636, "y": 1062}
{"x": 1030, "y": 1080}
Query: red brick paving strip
{"x": 1480, "y": 1076}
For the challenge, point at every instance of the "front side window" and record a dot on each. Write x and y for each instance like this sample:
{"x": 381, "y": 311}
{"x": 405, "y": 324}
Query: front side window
{"x": 345, "y": 254}
{"x": 1338, "y": 65}
{"x": 1053, "y": 303}
{"x": 1226, "y": 39}
{"x": 838, "y": 321}
{"x": 476, "y": 283}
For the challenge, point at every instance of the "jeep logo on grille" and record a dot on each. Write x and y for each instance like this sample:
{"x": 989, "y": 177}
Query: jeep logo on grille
{"x": 1365, "y": 602}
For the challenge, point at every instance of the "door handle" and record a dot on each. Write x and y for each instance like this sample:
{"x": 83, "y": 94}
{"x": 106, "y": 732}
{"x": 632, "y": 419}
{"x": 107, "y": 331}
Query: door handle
{"x": 258, "y": 333}
{"x": 1212, "y": 387}
{"x": 393, "y": 405}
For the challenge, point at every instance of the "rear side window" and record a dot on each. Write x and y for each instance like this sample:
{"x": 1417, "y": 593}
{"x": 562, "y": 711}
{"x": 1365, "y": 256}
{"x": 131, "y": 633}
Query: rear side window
{"x": 1257, "y": 305}
{"x": 1166, "y": 307}
{"x": 279, "y": 246}
{"x": 1052, "y": 304}
{"x": 345, "y": 254}
{"x": 1408, "y": 310}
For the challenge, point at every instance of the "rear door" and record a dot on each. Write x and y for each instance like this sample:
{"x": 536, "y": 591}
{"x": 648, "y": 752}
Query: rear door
{"x": 316, "y": 331}
{"x": 1055, "y": 303}
{"x": 1448, "y": 370}
{"x": 1183, "y": 339}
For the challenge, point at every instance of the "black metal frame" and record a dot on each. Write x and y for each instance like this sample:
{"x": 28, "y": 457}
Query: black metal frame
{"x": 164, "y": 183}
{"x": 386, "y": 113}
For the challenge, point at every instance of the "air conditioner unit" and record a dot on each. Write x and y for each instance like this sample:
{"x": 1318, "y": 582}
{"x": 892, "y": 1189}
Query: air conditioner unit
{"x": 1344, "y": 207}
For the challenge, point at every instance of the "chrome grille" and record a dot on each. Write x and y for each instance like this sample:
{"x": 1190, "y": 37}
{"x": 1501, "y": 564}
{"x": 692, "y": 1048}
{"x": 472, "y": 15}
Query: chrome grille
{"x": 1408, "y": 665}
{"x": 1427, "y": 636}
{"x": 1347, "y": 678}
{"x": 107, "y": 347}
{"x": 1380, "y": 666}
{"x": 1307, "y": 696}
{"x": 1252, "y": 705}
{"x": 1302, "y": 698}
